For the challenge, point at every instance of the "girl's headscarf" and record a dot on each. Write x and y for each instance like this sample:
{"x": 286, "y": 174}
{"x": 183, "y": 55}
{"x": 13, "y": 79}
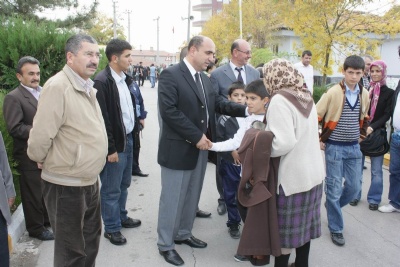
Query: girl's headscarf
{"x": 280, "y": 76}
{"x": 375, "y": 87}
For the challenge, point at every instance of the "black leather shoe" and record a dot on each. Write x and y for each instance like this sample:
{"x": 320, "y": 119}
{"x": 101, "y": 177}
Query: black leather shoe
{"x": 140, "y": 174}
{"x": 116, "y": 238}
{"x": 203, "y": 214}
{"x": 46, "y": 235}
{"x": 354, "y": 202}
{"x": 172, "y": 257}
{"x": 234, "y": 231}
{"x": 373, "y": 206}
{"x": 221, "y": 208}
{"x": 131, "y": 223}
{"x": 192, "y": 242}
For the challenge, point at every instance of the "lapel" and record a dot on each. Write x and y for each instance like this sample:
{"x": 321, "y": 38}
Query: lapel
{"x": 28, "y": 96}
{"x": 189, "y": 78}
{"x": 229, "y": 72}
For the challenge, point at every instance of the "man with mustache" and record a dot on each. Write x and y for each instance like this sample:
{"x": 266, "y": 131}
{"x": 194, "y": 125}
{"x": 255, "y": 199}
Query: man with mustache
{"x": 19, "y": 109}
{"x": 119, "y": 112}
{"x": 68, "y": 140}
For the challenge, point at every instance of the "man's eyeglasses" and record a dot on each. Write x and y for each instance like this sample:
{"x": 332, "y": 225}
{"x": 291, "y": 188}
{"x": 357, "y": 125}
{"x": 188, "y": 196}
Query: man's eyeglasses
{"x": 92, "y": 54}
{"x": 247, "y": 52}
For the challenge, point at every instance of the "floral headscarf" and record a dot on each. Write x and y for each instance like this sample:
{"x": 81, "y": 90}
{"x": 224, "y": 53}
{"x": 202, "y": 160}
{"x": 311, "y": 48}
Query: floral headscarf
{"x": 280, "y": 75}
{"x": 375, "y": 87}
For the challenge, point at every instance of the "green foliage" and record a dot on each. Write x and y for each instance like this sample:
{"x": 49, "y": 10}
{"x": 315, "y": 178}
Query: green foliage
{"x": 19, "y": 37}
{"x": 318, "y": 91}
{"x": 263, "y": 55}
{"x": 8, "y": 142}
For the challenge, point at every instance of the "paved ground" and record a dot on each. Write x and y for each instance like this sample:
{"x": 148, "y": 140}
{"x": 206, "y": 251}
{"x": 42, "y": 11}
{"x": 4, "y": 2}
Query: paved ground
{"x": 370, "y": 236}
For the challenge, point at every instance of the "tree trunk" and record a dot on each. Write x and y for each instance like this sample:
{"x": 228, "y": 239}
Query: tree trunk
{"x": 326, "y": 64}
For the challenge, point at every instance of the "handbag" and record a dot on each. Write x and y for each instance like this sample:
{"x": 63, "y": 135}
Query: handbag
{"x": 376, "y": 144}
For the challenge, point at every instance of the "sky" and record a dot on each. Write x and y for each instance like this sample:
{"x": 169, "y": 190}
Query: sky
{"x": 144, "y": 27}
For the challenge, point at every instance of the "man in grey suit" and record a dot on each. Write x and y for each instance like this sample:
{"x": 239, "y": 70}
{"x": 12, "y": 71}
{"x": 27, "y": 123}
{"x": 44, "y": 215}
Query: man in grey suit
{"x": 221, "y": 78}
{"x": 7, "y": 197}
{"x": 187, "y": 104}
{"x": 19, "y": 110}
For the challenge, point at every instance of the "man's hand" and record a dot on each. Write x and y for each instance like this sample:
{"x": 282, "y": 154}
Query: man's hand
{"x": 236, "y": 157}
{"x": 322, "y": 145}
{"x": 11, "y": 201}
{"x": 204, "y": 143}
{"x": 369, "y": 130}
{"x": 40, "y": 165}
{"x": 113, "y": 157}
{"x": 142, "y": 123}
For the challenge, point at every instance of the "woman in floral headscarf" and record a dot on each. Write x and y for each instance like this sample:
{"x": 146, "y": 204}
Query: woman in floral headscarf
{"x": 292, "y": 117}
{"x": 379, "y": 112}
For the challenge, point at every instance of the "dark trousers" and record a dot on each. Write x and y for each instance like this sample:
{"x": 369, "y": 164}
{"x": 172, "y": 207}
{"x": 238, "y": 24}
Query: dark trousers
{"x": 4, "y": 253}
{"x": 230, "y": 175}
{"x": 136, "y": 151}
{"x": 218, "y": 180}
{"x": 302, "y": 254}
{"x": 35, "y": 211}
{"x": 141, "y": 79}
{"x": 75, "y": 216}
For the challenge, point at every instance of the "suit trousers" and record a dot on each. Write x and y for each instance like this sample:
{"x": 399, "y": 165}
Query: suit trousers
{"x": 4, "y": 253}
{"x": 76, "y": 220}
{"x": 35, "y": 211}
{"x": 180, "y": 194}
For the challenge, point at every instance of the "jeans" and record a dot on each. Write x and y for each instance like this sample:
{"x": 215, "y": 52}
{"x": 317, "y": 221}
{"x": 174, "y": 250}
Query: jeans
{"x": 230, "y": 175}
{"x": 394, "y": 169}
{"x": 115, "y": 180}
{"x": 341, "y": 162}
{"x": 153, "y": 81}
{"x": 4, "y": 253}
{"x": 74, "y": 214}
{"x": 375, "y": 190}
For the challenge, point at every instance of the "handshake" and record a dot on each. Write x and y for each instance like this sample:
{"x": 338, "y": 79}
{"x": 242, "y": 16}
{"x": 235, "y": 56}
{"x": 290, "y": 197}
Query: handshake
{"x": 204, "y": 143}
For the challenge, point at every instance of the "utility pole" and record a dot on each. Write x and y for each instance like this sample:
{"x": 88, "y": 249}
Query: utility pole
{"x": 115, "y": 19}
{"x": 158, "y": 31}
{"x": 188, "y": 26}
{"x": 240, "y": 19}
{"x": 129, "y": 25}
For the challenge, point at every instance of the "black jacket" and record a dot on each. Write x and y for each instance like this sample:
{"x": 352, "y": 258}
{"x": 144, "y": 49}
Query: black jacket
{"x": 108, "y": 98}
{"x": 394, "y": 99}
{"x": 226, "y": 129}
{"x": 383, "y": 108}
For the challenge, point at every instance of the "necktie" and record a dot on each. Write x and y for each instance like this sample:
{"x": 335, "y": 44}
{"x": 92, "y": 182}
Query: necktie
{"x": 239, "y": 78}
{"x": 199, "y": 87}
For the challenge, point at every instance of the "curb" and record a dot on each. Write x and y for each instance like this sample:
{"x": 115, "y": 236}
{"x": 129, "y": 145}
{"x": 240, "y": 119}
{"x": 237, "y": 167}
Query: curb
{"x": 17, "y": 227}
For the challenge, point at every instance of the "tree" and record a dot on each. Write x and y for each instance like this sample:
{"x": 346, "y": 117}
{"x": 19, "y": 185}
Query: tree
{"x": 325, "y": 26}
{"x": 260, "y": 18}
{"x": 30, "y": 10}
{"x": 102, "y": 29}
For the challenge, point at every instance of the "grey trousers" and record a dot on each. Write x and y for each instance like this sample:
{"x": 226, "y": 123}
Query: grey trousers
{"x": 180, "y": 194}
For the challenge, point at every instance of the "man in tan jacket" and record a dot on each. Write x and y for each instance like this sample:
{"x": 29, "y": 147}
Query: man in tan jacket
{"x": 69, "y": 142}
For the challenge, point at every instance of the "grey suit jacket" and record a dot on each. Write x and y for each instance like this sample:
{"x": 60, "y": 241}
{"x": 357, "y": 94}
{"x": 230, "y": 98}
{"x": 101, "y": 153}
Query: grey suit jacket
{"x": 19, "y": 109}
{"x": 7, "y": 189}
{"x": 222, "y": 77}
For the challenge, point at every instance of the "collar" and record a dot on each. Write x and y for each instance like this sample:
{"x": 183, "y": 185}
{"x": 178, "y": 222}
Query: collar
{"x": 233, "y": 67}
{"x": 119, "y": 78}
{"x": 86, "y": 84}
{"x": 30, "y": 89}
{"x": 356, "y": 89}
{"x": 190, "y": 67}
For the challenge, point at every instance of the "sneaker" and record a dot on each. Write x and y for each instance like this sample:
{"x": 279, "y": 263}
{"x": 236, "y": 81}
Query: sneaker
{"x": 354, "y": 202}
{"x": 240, "y": 258}
{"x": 234, "y": 231}
{"x": 388, "y": 208}
{"x": 373, "y": 206}
{"x": 337, "y": 239}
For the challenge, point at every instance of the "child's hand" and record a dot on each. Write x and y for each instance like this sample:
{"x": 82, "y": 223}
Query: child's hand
{"x": 236, "y": 157}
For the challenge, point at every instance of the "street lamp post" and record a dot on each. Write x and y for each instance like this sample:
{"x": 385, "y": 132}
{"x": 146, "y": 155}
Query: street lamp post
{"x": 158, "y": 49}
{"x": 189, "y": 18}
{"x": 240, "y": 18}
{"x": 115, "y": 19}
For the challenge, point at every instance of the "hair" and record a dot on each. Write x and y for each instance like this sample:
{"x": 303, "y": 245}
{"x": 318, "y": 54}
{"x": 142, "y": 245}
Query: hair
{"x": 211, "y": 65}
{"x": 196, "y": 41}
{"x": 260, "y": 70}
{"x": 25, "y": 60}
{"x": 306, "y": 52}
{"x": 234, "y": 45}
{"x": 257, "y": 87}
{"x": 369, "y": 57}
{"x": 354, "y": 62}
{"x": 234, "y": 86}
{"x": 74, "y": 43}
{"x": 116, "y": 47}
{"x": 183, "y": 53}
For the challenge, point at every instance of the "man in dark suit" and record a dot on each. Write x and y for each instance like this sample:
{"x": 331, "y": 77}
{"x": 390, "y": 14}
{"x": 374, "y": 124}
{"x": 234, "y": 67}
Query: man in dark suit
{"x": 187, "y": 103}
{"x": 221, "y": 78}
{"x": 19, "y": 109}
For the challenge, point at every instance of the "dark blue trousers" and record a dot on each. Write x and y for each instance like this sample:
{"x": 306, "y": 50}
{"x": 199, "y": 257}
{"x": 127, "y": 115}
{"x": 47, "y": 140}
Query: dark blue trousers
{"x": 230, "y": 175}
{"x": 4, "y": 253}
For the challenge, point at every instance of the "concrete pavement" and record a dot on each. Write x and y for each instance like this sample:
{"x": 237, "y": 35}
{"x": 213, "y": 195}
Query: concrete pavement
{"x": 372, "y": 238}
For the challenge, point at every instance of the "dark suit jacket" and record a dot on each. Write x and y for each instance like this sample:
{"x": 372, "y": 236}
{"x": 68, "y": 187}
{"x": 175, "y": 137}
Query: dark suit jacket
{"x": 184, "y": 115}
{"x": 383, "y": 108}
{"x": 19, "y": 108}
{"x": 222, "y": 77}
